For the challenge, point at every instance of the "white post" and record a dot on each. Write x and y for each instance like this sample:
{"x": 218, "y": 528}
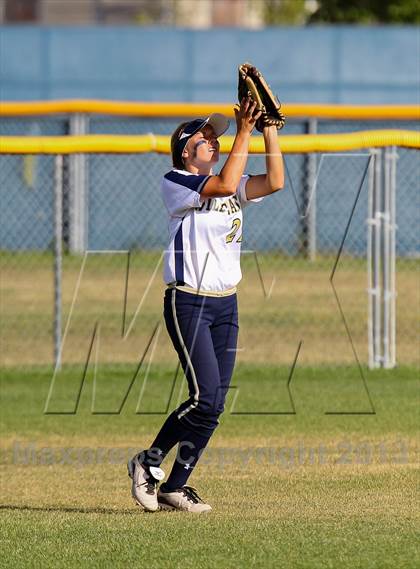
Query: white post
{"x": 58, "y": 250}
{"x": 376, "y": 252}
{"x": 369, "y": 259}
{"x": 385, "y": 260}
{"x": 392, "y": 250}
{"x": 78, "y": 196}
{"x": 311, "y": 187}
{"x": 381, "y": 260}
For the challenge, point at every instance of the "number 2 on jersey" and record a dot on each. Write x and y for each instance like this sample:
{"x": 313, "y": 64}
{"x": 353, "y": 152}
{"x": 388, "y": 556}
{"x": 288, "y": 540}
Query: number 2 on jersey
{"x": 236, "y": 224}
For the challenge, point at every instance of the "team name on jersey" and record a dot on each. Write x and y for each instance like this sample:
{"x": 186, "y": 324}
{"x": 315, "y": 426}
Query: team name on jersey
{"x": 222, "y": 205}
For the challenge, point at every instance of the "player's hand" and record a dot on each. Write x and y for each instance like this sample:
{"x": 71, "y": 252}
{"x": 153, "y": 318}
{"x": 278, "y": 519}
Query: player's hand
{"x": 246, "y": 116}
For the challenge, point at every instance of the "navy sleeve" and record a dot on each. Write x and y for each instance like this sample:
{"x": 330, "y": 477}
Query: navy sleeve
{"x": 195, "y": 183}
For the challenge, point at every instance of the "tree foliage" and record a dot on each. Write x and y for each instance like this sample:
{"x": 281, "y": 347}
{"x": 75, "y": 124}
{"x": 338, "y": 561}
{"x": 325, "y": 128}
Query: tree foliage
{"x": 367, "y": 12}
{"x": 284, "y": 12}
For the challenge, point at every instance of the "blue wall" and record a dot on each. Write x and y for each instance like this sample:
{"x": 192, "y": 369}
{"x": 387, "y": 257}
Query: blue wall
{"x": 315, "y": 64}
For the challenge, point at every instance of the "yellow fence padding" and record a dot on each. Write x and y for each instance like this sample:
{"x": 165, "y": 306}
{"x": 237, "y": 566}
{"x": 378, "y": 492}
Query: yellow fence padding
{"x": 162, "y": 110}
{"x": 115, "y": 144}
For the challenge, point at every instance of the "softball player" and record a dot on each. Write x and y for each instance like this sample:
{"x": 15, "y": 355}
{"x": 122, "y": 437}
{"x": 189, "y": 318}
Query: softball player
{"x": 202, "y": 269}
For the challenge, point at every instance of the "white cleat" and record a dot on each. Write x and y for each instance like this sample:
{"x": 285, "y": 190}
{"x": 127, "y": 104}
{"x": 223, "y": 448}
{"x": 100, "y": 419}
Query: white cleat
{"x": 145, "y": 480}
{"x": 185, "y": 499}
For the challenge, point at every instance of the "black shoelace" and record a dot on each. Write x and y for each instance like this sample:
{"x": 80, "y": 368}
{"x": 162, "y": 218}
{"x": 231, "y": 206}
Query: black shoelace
{"x": 191, "y": 494}
{"x": 151, "y": 482}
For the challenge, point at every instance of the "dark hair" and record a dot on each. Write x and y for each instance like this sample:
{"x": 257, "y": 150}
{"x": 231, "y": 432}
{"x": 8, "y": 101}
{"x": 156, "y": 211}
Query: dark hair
{"x": 177, "y": 160}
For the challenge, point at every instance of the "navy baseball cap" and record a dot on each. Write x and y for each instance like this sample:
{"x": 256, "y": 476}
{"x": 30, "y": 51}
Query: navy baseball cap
{"x": 218, "y": 121}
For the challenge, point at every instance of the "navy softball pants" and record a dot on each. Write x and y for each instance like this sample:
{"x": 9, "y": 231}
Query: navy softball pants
{"x": 204, "y": 332}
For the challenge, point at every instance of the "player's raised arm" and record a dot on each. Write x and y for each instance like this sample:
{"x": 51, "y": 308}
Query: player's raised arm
{"x": 273, "y": 180}
{"x": 226, "y": 183}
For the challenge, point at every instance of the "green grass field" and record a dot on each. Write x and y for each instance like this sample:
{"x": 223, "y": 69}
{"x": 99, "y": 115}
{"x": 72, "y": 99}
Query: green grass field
{"x": 308, "y": 490}
{"x": 323, "y": 475}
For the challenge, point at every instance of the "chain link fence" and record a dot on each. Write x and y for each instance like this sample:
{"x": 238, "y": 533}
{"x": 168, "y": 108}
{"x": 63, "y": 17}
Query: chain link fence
{"x": 304, "y": 293}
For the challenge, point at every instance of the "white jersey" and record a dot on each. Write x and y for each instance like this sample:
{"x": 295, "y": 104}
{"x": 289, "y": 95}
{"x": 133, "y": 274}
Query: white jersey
{"x": 204, "y": 235}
